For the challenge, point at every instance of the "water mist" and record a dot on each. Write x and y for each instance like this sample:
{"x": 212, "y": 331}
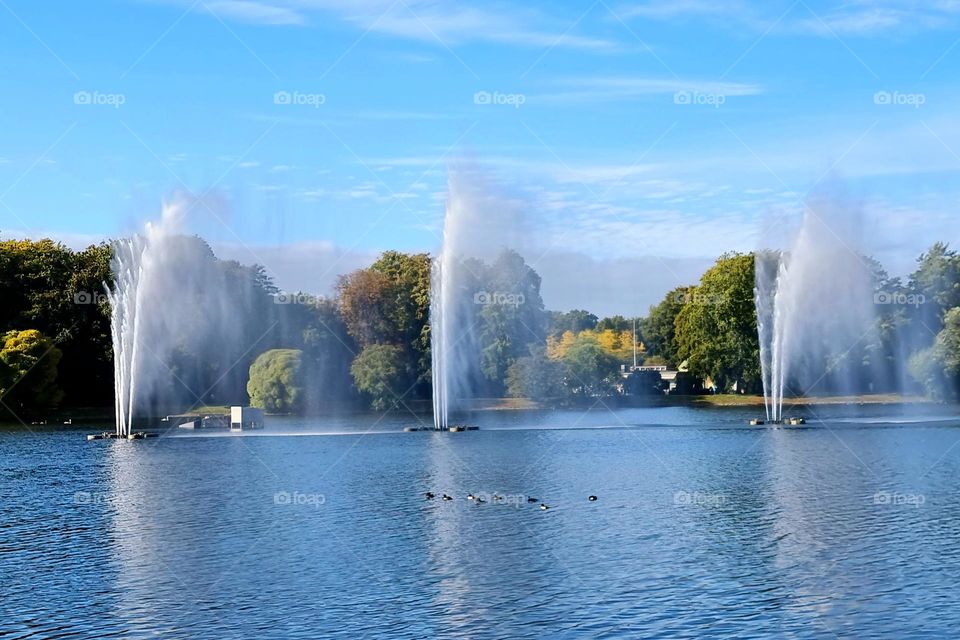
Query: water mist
{"x": 479, "y": 223}
{"x": 814, "y": 306}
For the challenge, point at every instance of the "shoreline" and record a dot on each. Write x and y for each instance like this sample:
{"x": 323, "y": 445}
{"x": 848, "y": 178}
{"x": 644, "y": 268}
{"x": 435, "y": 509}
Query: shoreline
{"x": 703, "y": 401}
{"x": 93, "y": 416}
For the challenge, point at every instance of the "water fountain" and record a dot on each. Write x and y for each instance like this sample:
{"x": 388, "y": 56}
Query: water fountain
{"x": 479, "y": 223}
{"x": 814, "y": 304}
{"x": 137, "y": 263}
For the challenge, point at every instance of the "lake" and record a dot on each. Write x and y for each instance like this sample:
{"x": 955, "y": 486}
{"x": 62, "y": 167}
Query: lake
{"x": 703, "y": 527}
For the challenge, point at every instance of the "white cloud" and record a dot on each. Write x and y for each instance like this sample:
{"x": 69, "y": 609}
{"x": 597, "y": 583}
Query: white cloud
{"x": 256, "y": 12}
{"x": 608, "y": 89}
{"x": 445, "y": 23}
{"x": 856, "y": 18}
{"x": 665, "y": 9}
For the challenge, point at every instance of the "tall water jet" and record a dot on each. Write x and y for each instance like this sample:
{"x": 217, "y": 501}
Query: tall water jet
{"x": 185, "y": 325}
{"x": 478, "y": 280}
{"x": 815, "y": 307}
{"x": 136, "y": 266}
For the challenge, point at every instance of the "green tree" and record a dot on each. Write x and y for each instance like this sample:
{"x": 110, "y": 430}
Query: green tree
{"x": 512, "y": 318}
{"x": 659, "y": 328}
{"x": 59, "y": 292}
{"x": 937, "y": 368}
{"x": 329, "y": 348}
{"x": 389, "y": 304}
{"x": 537, "y": 377}
{"x": 937, "y": 278}
{"x": 28, "y": 371}
{"x": 379, "y": 372}
{"x": 277, "y": 381}
{"x": 616, "y": 324}
{"x": 592, "y": 370}
{"x": 716, "y": 330}
{"x": 573, "y": 321}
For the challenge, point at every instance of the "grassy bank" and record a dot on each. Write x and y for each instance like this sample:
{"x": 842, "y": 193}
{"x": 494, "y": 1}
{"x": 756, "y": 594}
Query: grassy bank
{"x": 757, "y": 401}
{"x": 720, "y": 400}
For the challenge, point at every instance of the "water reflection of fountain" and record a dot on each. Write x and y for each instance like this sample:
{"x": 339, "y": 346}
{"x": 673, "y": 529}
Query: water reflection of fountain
{"x": 812, "y": 526}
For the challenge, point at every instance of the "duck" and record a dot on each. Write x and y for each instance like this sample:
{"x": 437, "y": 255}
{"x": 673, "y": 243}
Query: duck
{"x": 532, "y": 500}
{"x": 481, "y": 501}
{"x": 447, "y": 498}
{"x": 429, "y": 496}
{"x": 497, "y": 498}
{"x": 68, "y": 421}
{"x": 471, "y": 497}
{"x": 543, "y": 507}
{"x": 592, "y": 498}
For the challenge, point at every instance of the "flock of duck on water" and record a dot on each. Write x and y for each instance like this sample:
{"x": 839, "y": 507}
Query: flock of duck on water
{"x": 496, "y": 498}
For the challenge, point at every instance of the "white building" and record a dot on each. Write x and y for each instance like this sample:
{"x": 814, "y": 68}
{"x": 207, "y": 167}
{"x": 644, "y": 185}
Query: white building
{"x": 243, "y": 418}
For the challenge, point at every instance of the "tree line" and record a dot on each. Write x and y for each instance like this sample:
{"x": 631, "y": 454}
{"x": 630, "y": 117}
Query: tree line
{"x": 369, "y": 344}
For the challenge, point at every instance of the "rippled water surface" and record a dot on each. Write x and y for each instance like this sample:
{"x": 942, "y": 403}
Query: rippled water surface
{"x": 703, "y": 527}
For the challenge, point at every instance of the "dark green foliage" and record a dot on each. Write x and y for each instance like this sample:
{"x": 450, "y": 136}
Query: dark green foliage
{"x": 716, "y": 331}
{"x": 28, "y": 372}
{"x": 592, "y": 371}
{"x": 278, "y": 381}
{"x": 537, "y": 377}
{"x": 659, "y": 328}
{"x": 574, "y": 321}
{"x": 379, "y": 372}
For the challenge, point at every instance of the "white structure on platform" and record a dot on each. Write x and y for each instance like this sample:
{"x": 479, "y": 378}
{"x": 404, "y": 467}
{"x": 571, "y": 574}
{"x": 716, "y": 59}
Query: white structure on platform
{"x": 243, "y": 418}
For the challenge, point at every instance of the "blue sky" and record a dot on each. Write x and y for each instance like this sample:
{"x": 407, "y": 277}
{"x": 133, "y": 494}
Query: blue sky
{"x": 644, "y": 136}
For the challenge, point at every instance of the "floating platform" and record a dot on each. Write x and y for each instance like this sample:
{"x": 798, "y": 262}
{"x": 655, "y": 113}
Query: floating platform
{"x": 793, "y": 422}
{"x": 195, "y": 421}
{"x": 110, "y": 435}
